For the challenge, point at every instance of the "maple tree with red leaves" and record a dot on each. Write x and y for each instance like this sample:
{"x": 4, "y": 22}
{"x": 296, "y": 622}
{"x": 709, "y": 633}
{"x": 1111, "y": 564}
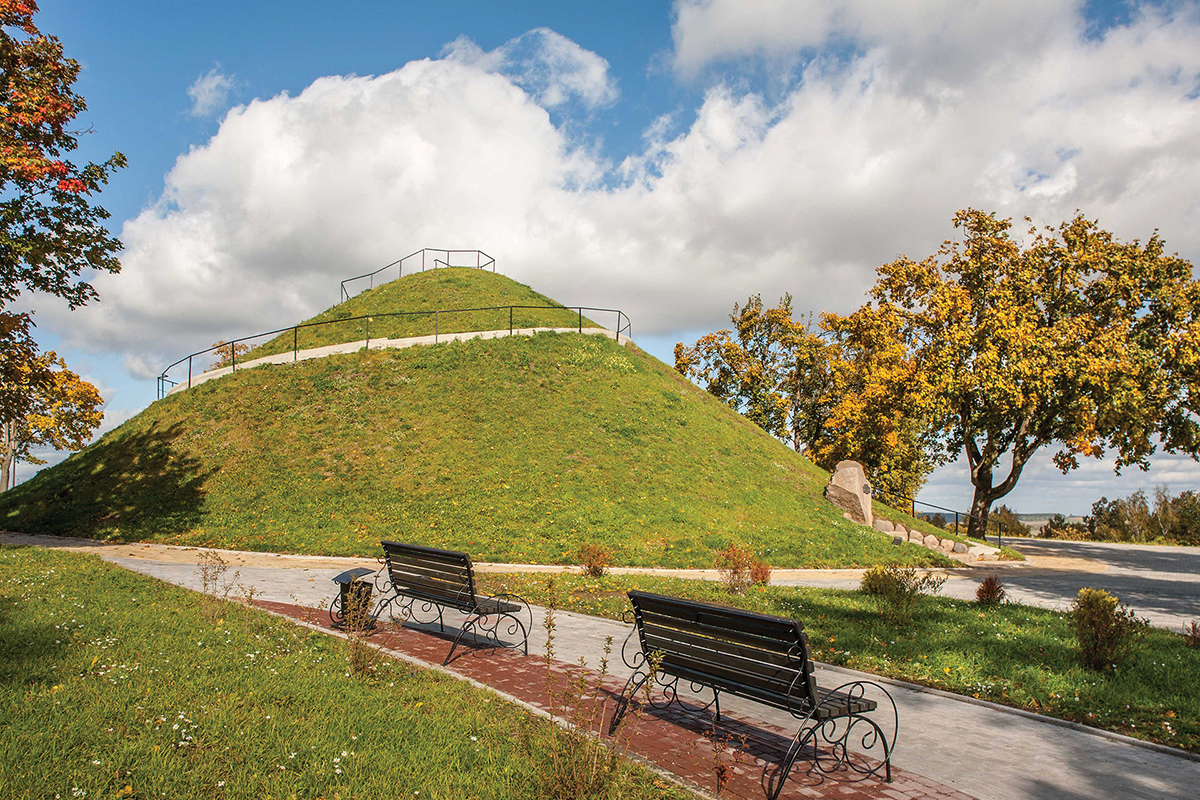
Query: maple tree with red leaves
{"x": 50, "y": 230}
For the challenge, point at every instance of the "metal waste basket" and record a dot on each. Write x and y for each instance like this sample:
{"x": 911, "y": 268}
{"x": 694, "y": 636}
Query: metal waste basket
{"x": 351, "y": 608}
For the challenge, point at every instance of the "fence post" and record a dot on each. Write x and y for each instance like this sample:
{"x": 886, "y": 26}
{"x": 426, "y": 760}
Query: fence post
{"x": 368, "y": 333}
{"x": 510, "y": 312}
{"x": 295, "y": 343}
{"x": 581, "y": 319}
{"x": 189, "y": 372}
{"x": 233, "y": 356}
{"x": 956, "y": 523}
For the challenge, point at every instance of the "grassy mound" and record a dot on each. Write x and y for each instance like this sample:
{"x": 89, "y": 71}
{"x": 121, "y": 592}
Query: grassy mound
{"x": 519, "y": 449}
{"x": 420, "y": 295}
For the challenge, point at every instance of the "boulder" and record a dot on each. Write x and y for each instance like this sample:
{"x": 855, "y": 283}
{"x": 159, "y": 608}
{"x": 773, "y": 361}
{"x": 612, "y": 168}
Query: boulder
{"x": 850, "y": 491}
{"x": 948, "y": 544}
{"x": 900, "y": 530}
{"x": 884, "y": 525}
{"x": 931, "y": 542}
{"x": 916, "y": 537}
{"x": 960, "y": 547}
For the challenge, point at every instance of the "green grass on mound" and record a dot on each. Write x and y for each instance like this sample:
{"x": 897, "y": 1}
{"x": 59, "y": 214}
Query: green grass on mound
{"x": 517, "y": 449}
{"x": 426, "y": 292}
{"x": 115, "y": 685}
{"x": 1011, "y": 654}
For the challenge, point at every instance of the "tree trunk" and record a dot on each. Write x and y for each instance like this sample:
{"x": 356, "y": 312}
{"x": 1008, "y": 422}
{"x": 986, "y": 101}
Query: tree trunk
{"x": 981, "y": 507}
{"x": 6, "y": 431}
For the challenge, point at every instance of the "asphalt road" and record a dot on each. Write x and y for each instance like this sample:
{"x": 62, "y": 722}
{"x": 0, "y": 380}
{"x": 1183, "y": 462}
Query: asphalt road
{"x": 1159, "y": 583}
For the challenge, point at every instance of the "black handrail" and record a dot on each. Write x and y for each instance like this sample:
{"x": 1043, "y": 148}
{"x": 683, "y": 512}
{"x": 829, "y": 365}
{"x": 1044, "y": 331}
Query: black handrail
{"x": 163, "y": 380}
{"x": 913, "y": 502}
{"x": 482, "y": 261}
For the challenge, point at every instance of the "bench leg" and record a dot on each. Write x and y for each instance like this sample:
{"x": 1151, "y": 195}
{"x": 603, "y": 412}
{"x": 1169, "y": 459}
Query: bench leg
{"x": 477, "y": 622}
{"x": 636, "y": 681}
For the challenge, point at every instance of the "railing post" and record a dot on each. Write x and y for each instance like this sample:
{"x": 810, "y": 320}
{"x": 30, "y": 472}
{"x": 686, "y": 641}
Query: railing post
{"x": 956, "y": 523}
{"x": 581, "y": 319}
{"x": 368, "y": 333}
{"x": 189, "y": 372}
{"x": 233, "y": 356}
{"x": 510, "y": 312}
{"x": 295, "y": 342}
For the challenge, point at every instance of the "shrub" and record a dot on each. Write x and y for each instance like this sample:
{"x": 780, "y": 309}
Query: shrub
{"x": 594, "y": 559}
{"x": 990, "y": 592}
{"x": 1004, "y": 520}
{"x": 1191, "y": 634}
{"x": 897, "y": 590}
{"x": 760, "y": 573}
{"x": 1008, "y": 554}
{"x": 1106, "y": 628}
{"x": 735, "y": 565}
{"x": 1059, "y": 528}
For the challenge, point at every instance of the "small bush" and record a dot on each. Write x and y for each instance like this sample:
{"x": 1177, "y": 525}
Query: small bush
{"x": 990, "y": 592}
{"x": 1191, "y": 634}
{"x": 1106, "y": 628}
{"x": 735, "y": 565}
{"x": 595, "y": 560}
{"x": 898, "y": 590}
{"x": 760, "y": 573}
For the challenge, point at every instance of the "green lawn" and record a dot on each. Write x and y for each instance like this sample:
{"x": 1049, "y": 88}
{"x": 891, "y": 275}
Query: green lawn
{"x": 116, "y": 685}
{"x": 1012, "y": 654}
{"x": 419, "y": 295}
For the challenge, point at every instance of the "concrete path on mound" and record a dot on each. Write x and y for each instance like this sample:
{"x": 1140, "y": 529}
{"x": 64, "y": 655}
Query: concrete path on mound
{"x": 980, "y": 749}
{"x": 383, "y": 344}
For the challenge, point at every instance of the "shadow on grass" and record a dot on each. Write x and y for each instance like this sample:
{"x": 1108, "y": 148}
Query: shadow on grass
{"x": 27, "y": 651}
{"x": 122, "y": 488}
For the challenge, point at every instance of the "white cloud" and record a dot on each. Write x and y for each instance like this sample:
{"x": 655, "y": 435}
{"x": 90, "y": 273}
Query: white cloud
{"x": 209, "y": 92}
{"x": 548, "y": 65}
{"x": 864, "y": 157}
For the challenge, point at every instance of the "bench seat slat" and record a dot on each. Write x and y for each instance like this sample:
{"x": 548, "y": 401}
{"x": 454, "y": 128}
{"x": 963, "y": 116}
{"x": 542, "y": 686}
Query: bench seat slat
{"x": 456, "y": 594}
{"x": 791, "y": 659}
{"x": 705, "y": 615}
{"x": 724, "y": 669}
{"x": 730, "y": 633}
{"x": 458, "y": 575}
{"x": 432, "y": 569}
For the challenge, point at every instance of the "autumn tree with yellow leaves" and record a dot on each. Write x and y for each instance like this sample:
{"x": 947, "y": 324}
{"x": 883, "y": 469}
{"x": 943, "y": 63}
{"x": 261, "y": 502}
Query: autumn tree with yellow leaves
{"x": 770, "y": 368}
{"x": 51, "y": 233}
{"x": 1074, "y": 339}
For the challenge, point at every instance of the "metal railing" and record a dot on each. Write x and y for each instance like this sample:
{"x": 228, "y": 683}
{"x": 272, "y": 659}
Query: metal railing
{"x": 165, "y": 384}
{"x": 913, "y": 503}
{"x": 482, "y": 261}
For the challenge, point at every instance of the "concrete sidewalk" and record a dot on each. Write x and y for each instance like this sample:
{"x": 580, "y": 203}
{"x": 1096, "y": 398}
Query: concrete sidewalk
{"x": 981, "y": 750}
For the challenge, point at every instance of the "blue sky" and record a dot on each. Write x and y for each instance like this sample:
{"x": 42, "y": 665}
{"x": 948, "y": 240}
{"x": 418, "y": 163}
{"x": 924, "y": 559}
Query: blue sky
{"x": 667, "y": 159}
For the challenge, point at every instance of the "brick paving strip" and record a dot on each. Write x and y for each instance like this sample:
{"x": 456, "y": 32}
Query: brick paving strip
{"x": 683, "y": 743}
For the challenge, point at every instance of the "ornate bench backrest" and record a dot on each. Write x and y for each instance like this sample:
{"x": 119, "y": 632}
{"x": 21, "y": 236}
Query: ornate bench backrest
{"x": 427, "y": 573}
{"x": 753, "y": 655}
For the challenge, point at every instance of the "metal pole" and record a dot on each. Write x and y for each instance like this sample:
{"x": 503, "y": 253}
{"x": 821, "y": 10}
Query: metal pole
{"x": 581, "y": 319}
{"x": 510, "y": 310}
{"x": 295, "y": 342}
{"x": 955, "y": 522}
{"x": 368, "y": 333}
{"x": 189, "y": 372}
{"x": 233, "y": 357}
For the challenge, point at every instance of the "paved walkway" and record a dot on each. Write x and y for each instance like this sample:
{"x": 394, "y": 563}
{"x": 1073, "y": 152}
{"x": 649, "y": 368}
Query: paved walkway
{"x": 949, "y": 747}
{"x": 381, "y": 344}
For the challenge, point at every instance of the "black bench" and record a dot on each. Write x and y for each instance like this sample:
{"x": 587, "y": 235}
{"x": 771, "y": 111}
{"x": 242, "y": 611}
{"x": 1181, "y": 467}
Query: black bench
{"x": 417, "y": 581}
{"x": 757, "y": 657}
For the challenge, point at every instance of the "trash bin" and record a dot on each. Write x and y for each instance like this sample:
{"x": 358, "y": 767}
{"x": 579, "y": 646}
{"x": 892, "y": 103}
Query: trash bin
{"x": 351, "y": 609}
